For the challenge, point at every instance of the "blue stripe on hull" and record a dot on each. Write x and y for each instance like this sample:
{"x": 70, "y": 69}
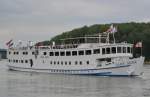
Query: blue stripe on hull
{"x": 92, "y": 74}
{"x": 106, "y": 74}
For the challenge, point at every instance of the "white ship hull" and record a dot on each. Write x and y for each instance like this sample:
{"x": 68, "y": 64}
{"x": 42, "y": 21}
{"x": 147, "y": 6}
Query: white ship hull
{"x": 132, "y": 67}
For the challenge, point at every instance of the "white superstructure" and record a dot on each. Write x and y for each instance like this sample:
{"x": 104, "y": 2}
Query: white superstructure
{"x": 99, "y": 58}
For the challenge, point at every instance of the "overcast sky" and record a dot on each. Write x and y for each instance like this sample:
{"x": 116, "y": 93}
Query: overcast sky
{"x": 36, "y": 20}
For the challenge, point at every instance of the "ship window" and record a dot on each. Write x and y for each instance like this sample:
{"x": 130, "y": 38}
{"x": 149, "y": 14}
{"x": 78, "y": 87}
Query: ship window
{"x": 16, "y": 61}
{"x": 58, "y": 62}
{"x": 118, "y": 49}
{"x": 81, "y": 52}
{"x": 113, "y": 50}
{"x": 87, "y": 62}
{"x": 17, "y": 53}
{"x": 9, "y": 53}
{"x": 96, "y": 51}
{"x": 33, "y": 53}
{"x": 54, "y": 62}
{"x": 107, "y": 50}
{"x": 76, "y": 62}
{"x": 68, "y": 53}
{"x": 62, "y": 53}
{"x": 88, "y": 52}
{"x": 26, "y": 61}
{"x": 128, "y": 49}
{"x": 51, "y": 53}
{"x": 9, "y": 60}
{"x": 103, "y": 50}
{"x": 14, "y": 53}
{"x": 124, "y": 49}
{"x": 61, "y": 62}
{"x": 21, "y": 61}
{"x": 51, "y": 62}
{"x": 80, "y": 62}
{"x": 74, "y": 53}
{"x": 44, "y": 53}
{"x": 24, "y": 53}
{"x": 56, "y": 53}
{"x": 108, "y": 59}
{"x": 65, "y": 63}
{"x": 69, "y": 62}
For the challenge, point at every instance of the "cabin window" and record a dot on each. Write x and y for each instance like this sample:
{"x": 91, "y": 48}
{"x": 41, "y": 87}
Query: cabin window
{"x": 58, "y": 62}
{"x": 69, "y": 62}
{"x": 74, "y": 53}
{"x": 128, "y": 50}
{"x": 33, "y": 53}
{"x": 17, "y": 53}
{"x": 81, "y": 52}
{"x": 62, "y": 53}
{"x": 56, "y": 53}
{"x": 105, "y": 59}
{"x": 108, "y": 59}
{"x": 76, "y": 62}
{"x": 103, "y": 50}
{"x": 107, "y": 50}
{"x": 87, "y": 62}
{"x": 96, "y": 51}
{"x": 14, "y": 53}
{"x": 44, "y": 53}
{"x": 124, "y": 49}
{"x": 51, "y": 62}
{"x": 118, "y": 49}
{"x": 16, "y": 61}
{"x": 80, "y": 62}
{"x": 68, "y": 53}
{"x": 21, "y": 61}
{"x": 113, "y": 50}
{"x": 9, "y": 53}
{"x": 54, "y": 62}
{"x": 61, "y": 62}
{"x": 88, "y": 52}
{"x": 65, "y": 63}
{"x": 24, "y": 53}
{"x": 26, "y": 61}
{"x": 51, "y": 53}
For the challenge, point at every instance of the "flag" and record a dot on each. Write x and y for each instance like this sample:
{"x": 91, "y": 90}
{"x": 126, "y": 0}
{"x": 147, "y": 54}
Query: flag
{"x": 10, "y": 43}
{"x": 114, "y": 30}
{"x": 138, "y": 45}
{"x": 110, "y": 29}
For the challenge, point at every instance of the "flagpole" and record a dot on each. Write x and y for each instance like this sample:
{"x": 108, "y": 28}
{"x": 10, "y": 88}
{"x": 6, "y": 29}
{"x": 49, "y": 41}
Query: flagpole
{"x": 114, "y": 37}
{"x": 141, "y": 48}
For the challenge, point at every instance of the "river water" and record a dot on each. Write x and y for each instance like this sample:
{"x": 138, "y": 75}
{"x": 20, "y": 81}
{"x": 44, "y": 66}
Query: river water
{"x": 25, "y": 84}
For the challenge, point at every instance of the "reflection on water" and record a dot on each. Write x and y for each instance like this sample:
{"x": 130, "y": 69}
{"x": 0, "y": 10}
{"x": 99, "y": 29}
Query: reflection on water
{"x": 24, "y": 84}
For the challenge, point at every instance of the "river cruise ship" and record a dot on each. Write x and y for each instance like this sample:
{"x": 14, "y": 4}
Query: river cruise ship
{"x": 97, "y": 55}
